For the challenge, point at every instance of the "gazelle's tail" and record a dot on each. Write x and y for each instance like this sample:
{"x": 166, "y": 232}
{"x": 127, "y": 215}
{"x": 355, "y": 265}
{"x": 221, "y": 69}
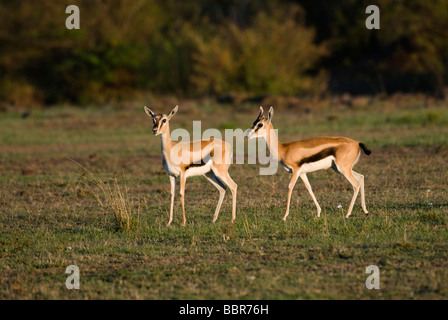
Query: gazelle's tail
{"x": 366, "y": 150}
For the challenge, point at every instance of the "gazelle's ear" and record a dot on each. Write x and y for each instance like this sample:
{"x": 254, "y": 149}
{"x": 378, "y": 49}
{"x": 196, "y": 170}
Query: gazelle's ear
{"x": 173, "y": 112}
{"x": 270, "y": 114}
{"x": 149, "y": 111}
{"x": 261, "y": 112}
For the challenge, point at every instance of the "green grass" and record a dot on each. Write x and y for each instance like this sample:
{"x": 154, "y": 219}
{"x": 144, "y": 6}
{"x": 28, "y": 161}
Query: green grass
{"x": 50, "y": 217}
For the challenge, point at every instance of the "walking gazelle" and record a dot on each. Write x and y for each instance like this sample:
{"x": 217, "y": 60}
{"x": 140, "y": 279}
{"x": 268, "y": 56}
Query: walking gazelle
{"x": 210, "y": 158}
{"x": 301, "y": 157}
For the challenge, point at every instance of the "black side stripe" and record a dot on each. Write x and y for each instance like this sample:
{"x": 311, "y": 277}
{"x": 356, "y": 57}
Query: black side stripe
{"x": 318, "y": 156}
{"x": 198, "y": 163}
{"x": 194, "y": 165}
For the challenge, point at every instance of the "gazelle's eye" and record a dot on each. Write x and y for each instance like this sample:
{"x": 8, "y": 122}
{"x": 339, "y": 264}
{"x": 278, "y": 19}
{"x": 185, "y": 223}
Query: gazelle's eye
{"x": 164, "y": 120}
{"x": 260, "y": 125}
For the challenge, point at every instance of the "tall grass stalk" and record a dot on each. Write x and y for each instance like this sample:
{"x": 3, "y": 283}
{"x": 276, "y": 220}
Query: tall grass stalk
{"x": 113, "y": 198}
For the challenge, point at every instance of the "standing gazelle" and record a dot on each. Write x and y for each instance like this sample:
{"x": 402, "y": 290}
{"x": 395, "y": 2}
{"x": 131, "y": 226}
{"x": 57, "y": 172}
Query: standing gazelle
{"x": 210, "y": 158}
{"x": 301, "y": 157}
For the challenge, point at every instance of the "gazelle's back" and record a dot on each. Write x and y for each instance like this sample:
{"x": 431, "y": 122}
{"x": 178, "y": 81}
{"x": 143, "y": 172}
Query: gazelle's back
{"x": 319, "y": 142}
{"x": 303, "y": 151}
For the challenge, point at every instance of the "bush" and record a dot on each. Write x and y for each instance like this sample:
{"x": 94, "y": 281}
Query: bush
{"x": 275, "y": 55}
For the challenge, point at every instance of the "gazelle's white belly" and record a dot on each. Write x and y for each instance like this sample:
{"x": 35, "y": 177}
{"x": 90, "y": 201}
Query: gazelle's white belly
{"x": 174, "y": 170}
{"x": 197, "y": 171}
{"x": 318, "y": 165}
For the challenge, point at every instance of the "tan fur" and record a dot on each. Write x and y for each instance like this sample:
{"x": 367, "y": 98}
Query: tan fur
{"x": 301, "y": 157}
{"x": 184, "y": 159}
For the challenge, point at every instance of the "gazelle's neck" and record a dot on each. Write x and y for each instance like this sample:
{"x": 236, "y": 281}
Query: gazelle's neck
{"x": 275, "y": 146}
{"x": 165, "y": 138}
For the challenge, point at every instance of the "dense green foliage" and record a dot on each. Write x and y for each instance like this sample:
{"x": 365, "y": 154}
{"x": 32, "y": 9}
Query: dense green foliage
{"x": 201, "y": 47}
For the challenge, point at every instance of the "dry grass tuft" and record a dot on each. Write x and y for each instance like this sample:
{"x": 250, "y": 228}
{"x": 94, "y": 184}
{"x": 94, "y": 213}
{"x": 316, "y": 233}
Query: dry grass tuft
{"x": 114, "y": 199}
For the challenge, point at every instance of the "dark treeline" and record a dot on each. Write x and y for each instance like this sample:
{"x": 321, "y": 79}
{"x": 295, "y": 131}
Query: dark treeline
{"x": 200, "y": 48}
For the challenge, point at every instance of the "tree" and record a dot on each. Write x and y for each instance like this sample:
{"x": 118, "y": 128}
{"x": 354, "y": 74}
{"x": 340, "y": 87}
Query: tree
{"x": 275, "y": 54}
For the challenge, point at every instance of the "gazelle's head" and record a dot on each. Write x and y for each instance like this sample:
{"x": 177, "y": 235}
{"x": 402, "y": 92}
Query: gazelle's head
{"x": 160, "y": 121}
{"x": 261, "y": 125}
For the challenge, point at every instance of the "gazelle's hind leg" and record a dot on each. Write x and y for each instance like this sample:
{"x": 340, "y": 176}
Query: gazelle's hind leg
{"x": 310, "y": 190}
{"x": 360, "y": 178}
{"x": 348, "y": 173}
{"x": 221, "y": 188}
{"x": 224, "y": 176}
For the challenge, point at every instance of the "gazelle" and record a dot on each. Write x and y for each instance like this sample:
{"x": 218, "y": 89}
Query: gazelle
{"x": 210, "y": 158}
{"x": 301, "y": 157}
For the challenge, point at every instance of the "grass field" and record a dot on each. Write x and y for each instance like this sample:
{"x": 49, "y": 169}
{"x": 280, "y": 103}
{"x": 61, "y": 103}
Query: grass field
{"x": 50, "y": 216}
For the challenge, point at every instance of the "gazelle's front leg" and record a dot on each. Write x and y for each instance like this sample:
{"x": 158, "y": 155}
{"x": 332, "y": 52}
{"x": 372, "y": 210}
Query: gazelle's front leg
{"x": 182, "y": 194}
{"x": 173, "y": 192}
{"x": 310, "y": 190}
{"x": 292, "y": 183}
